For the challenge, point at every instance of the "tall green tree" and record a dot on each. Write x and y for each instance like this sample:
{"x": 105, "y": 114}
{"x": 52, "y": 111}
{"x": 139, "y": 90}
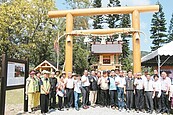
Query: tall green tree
{"x": 125, "y": 56}
{"x": 27, "y": 31}
{"x": 97, "y": 24}
{"x": 170, "y": 30}
{"x": 158, "y": 29}
{"x": 98, "y": 19}
{"x": 113, "y": 20}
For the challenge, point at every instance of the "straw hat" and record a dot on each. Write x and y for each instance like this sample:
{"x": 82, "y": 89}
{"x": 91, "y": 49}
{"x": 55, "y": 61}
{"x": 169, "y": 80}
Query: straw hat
{"x": 73, "y": 74}
{"x": 63, "y": 72}
{"x": 45, "y": 72}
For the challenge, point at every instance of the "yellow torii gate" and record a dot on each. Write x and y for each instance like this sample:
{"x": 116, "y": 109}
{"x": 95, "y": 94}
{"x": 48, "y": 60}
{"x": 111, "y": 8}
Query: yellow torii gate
{"x": 135, "y": 11}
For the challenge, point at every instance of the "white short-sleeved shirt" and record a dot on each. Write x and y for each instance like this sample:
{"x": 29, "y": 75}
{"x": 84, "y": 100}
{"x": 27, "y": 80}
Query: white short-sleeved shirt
{"x": 121, "y": 81}
{"x": 86, "y": 83}
{"x": 70, "y": 83}
{"x": 103, "y": 83}
{"x": 148, "y": 85}
{"x": 77, "y": 86}
{"x": 157, "y": 87}
{"x": 165, "y": 83}
{"x": 139, "y": 83}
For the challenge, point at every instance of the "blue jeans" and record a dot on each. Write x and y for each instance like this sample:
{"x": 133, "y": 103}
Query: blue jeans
{"x": 76, "y": 99}
{"x": 120, "y": 97}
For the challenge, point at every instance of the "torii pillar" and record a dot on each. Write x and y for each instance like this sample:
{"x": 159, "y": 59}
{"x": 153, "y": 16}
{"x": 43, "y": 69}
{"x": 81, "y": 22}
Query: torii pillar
{"x": 135, "y": 11}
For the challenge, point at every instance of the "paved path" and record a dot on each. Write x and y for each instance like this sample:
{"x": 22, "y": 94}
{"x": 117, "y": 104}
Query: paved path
{"x": 95, "y": 111}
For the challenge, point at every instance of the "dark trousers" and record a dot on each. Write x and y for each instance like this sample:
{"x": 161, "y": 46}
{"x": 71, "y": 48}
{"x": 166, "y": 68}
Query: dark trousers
{"x": 164, "y": 102}
{"x": 99, "y": 100}
{"x": 157, "y": 102}
{"x": 139, "y": 99}
{"x": 65, "y": 104}
{"x": 129, "y": 99}
{"x": 70, "y": 97}
{"x": 60, "y": 103}
{"x": 52, "y": 99}
{"x": 149, "y": 100}
{"x": 113, "y": 98}
{"x": 104, "y": 95}
{"x": 44, "y": 103}
{"x": 85, "y": 96}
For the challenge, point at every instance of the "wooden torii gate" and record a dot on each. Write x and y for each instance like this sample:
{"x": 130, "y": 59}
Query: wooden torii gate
{"x": 135, "y": 11}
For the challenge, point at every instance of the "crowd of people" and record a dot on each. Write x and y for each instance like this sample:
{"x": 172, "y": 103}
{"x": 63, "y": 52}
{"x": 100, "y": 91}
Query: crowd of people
{"x": 117, "y": 89}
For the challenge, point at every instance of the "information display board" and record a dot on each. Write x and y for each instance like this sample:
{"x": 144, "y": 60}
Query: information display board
{"x": 15, "y": 74}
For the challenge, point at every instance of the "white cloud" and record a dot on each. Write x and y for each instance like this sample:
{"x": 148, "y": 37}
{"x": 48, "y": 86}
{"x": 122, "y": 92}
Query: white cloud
{"x": 128, "y": 2}
{"x": 135, "y": 2}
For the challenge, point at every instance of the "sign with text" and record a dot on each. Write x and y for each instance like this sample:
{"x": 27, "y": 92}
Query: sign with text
{"x": 15, "y": 74}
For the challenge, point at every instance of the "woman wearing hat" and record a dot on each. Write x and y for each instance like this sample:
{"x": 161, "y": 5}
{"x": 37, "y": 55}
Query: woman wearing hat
{"x": 61, "y": 92}
{"x": 45, "y": 87}
{"x": 30, "y": 90}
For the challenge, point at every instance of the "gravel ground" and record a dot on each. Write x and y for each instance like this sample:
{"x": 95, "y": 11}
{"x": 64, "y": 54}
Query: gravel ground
{"x": 18, "y": 110}
{"x": 96, "y": 111}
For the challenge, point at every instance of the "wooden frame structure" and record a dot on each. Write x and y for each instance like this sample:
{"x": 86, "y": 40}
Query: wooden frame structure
{"x": 135, "y": 11}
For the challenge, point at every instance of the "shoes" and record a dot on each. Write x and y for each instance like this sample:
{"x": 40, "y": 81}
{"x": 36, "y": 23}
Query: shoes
{"x": 107, "y": 106}
{"x": 164, "y": 111}
{"x": 151, "y": 112}
{"x": 128, "y": 110}
{"x": 77, "y": 109}
{"x": 93, "y": 106}
{"x": 148, "y": 111}
{"x": 113, "y": 107}
{"x": 60, "y": 109}
{"x": 85, "y": 107}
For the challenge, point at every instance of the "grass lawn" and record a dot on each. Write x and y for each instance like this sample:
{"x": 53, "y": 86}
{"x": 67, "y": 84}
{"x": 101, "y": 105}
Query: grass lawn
{"x": 15, "y": 96}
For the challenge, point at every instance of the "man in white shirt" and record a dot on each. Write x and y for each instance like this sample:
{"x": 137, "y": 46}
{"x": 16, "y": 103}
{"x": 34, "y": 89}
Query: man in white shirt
{"x": 120, "y": 82}
{"x": 104, "y": 85}
{"x": 149, "y": 89}
{"x": 77, "y": 91}
{"x": 70, "y": 90}
{"x": 165, "y": 87}
{"x": 85, "y": 89}
{"x": 139, "y": 92}
{"x": 157, "y": 99}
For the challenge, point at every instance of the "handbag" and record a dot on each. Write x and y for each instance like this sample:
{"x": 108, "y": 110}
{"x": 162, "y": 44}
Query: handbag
{"x": 60, "y": 93}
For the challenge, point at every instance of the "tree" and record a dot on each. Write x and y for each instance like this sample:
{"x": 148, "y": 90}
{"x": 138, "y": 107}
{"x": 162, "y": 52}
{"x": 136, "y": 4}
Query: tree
{"x": 125, "y": 56}
{"x": 27, "y": 31}
{"x": 97, "y": 20}
{"x": 158, "y": 29}
{"x": 170, "y": 31}
{"x": 113, "y": 19}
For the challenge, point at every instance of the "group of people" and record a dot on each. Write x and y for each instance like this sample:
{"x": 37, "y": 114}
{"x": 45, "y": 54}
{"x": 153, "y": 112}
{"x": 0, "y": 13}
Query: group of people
{"x": 116, "y": 89}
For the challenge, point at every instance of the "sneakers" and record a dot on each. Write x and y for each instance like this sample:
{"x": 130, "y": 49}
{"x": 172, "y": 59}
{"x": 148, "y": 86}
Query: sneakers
{"x": 77, "y": 109}
{"x": 113, "y": 107}
{"x": 128, "y": 110}
{"x": 85, "y": 107}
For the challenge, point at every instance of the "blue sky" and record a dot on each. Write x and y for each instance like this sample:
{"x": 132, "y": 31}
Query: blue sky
{"x": 145, "y": 18}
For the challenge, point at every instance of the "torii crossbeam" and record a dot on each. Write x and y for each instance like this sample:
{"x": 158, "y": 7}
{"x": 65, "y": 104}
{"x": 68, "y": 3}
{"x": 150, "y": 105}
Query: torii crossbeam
{"x": 135, "y": 11}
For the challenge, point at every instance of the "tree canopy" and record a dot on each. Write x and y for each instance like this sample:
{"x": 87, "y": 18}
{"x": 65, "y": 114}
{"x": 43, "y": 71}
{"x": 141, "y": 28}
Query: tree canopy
{"x": 27, "y": 31}
{"x": 158, "y": 29}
